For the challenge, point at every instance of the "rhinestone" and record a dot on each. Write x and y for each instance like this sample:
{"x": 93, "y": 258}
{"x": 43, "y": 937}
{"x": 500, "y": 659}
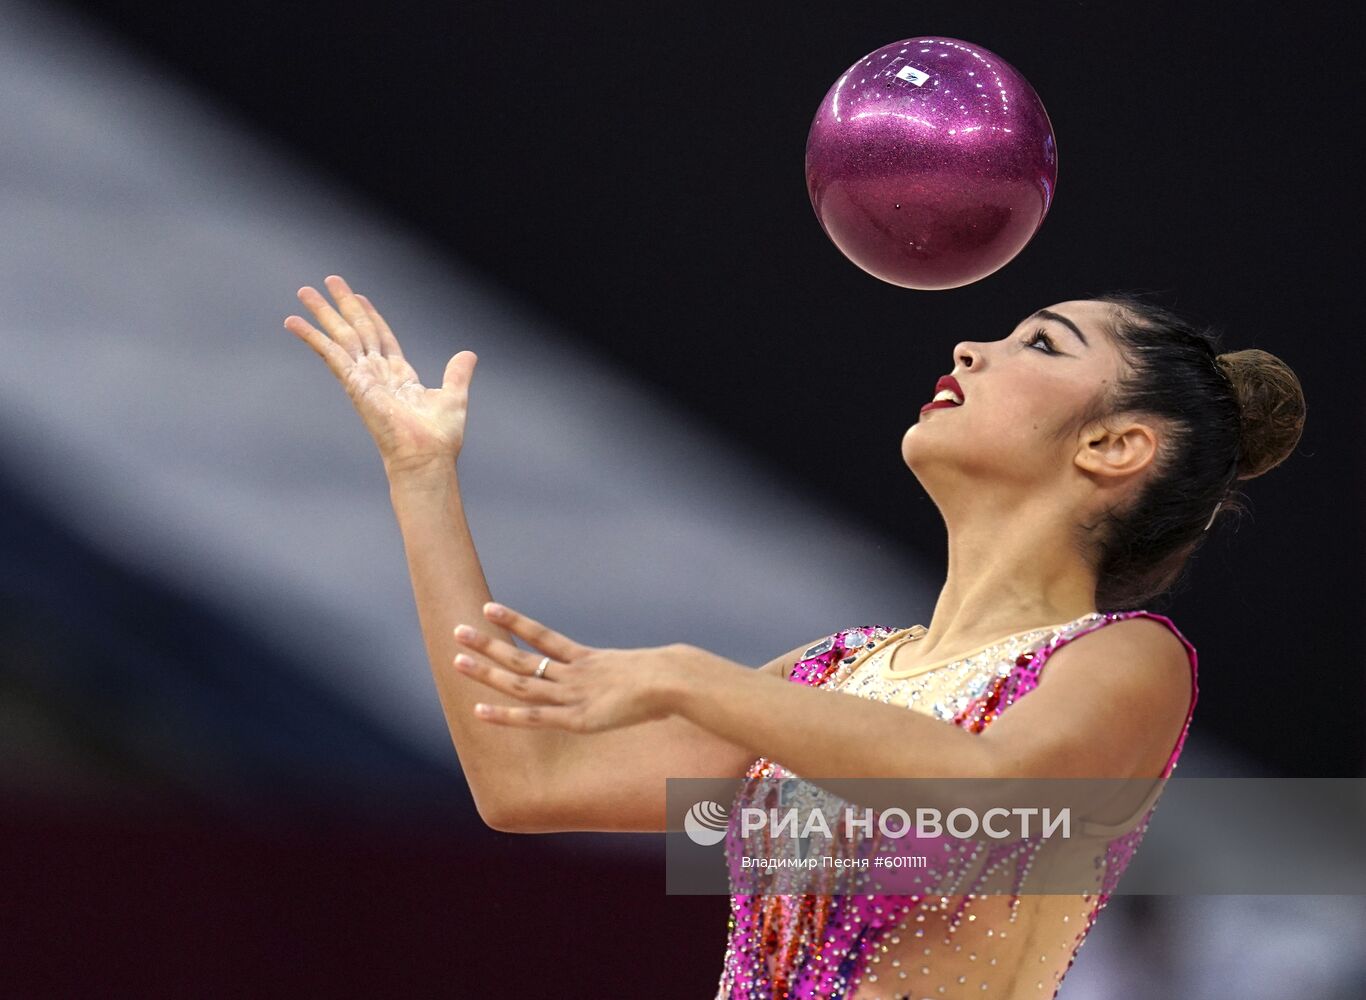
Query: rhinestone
{"x": 824, "y": 646}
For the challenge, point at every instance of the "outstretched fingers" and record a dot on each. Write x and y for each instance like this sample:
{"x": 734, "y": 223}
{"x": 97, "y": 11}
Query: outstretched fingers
{"x": 337, "y": 357}
{"x": 505, "y": 654}
{"x": 547, "y": 640}
{"x": 354, "y": 313}
{"x": 529, "y": 717}
{"x": 520, "y": 686}
{"x": 330, "y": 320}
{"x": 388, "y": 342}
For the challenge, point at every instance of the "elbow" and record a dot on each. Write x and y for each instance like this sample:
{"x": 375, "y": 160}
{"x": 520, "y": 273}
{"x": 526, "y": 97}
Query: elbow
{"x": 525, "y": 812}
{"x": 516, "y": 804}
{"x": 506, "y": 801}
{"x": 502, "y": 813}
{"x": 528, "y": 817}
{"x": 506, "y": 823}
{"x": 496, "y": 820}
{"x": 505, "y": 817}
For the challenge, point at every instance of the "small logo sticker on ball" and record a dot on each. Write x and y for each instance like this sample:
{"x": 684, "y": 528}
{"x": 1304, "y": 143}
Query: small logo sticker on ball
{"x": 912, "y": 75}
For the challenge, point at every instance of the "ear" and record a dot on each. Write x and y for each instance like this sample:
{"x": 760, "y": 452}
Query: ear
{"x": 1118, "y": 446}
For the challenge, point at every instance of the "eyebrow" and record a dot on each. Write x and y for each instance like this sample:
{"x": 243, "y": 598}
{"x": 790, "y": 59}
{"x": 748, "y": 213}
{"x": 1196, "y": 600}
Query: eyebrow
{"x": 1050, "y": 314}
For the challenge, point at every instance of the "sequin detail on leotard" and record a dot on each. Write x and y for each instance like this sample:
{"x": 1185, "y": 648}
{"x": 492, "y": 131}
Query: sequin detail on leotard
{"x": 923, "y": 947}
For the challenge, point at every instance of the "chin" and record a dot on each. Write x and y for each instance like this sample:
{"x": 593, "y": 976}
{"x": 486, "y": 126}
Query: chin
{"x": 920, "y": 450}
{"x": 909, "y": 447}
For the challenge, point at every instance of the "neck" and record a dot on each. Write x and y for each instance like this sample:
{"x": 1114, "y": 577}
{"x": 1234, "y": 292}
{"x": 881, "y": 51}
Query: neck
{"x": 1011, "y": 568}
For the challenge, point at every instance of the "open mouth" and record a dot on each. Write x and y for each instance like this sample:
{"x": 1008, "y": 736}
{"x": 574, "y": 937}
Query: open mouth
{"x": 949, "y": 393}
{"x": 940, "y": 404}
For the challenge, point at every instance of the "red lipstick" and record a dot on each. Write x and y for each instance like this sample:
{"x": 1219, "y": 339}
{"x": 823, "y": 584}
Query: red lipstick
{"x": 946, "y": 382}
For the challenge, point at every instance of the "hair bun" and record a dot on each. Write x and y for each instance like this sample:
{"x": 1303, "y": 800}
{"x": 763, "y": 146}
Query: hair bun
{"x": 1271, "y": 404}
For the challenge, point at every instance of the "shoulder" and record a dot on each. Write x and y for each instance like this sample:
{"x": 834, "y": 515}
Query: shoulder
{"x": 1128, "y": 650}
{"x": 1135, "y": 662}
{"x": 1135, "y": 638}
{"x": 1113, "y": 698}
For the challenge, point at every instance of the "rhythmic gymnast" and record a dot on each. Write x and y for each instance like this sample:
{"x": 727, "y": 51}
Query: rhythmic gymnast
{"x": 1078, "y": 462}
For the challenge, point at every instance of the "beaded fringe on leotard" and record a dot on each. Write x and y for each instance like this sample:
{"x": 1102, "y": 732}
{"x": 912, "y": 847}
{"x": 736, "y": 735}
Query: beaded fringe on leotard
{"x": 783, "y": 947}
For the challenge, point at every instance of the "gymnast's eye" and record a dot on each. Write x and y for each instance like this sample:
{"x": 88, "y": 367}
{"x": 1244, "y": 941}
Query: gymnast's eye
{"x": 1040, "y": 335}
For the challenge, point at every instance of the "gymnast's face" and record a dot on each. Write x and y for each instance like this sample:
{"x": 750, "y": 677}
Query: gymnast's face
{"x": 1022, "y": 397}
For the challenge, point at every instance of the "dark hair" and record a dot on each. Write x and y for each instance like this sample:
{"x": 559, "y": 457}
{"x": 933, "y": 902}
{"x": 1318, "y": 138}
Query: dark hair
{"x": 1227, "y": 417}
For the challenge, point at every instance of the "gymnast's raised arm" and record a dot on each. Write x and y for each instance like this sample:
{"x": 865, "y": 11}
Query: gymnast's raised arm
{"x": 522, "y": 780}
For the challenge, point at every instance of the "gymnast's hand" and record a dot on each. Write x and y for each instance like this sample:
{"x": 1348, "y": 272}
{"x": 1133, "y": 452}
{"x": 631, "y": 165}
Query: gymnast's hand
{"x": 582, "y": 689}
{"x": 415, "y": 427}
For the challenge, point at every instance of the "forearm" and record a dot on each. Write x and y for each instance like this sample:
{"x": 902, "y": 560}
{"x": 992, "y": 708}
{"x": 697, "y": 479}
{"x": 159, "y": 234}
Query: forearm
{"x": 449, "y": 587}
{"x": 818, "y": 733}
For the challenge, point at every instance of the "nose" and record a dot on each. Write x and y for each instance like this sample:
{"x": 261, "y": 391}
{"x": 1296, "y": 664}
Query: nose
{"x": 965, "y": 353}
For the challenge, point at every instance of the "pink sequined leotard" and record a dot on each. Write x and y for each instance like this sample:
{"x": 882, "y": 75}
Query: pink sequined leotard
{"x": 924, "y": 947}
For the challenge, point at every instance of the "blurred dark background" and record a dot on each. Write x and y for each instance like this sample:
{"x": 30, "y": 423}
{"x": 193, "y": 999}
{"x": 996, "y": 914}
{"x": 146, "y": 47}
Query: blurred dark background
{"x": 635, "y": 174}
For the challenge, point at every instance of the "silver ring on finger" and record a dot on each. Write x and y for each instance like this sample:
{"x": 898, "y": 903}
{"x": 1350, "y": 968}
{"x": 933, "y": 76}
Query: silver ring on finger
{"x": 541, "y": 667}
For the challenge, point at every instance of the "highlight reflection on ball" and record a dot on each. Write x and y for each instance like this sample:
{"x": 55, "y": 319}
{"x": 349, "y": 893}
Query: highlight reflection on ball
{"x": 931, "y": 163}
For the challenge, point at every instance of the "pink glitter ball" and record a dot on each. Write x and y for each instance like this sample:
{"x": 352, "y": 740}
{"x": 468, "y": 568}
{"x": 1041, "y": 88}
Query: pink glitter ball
{"x": 931, "y": 163}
